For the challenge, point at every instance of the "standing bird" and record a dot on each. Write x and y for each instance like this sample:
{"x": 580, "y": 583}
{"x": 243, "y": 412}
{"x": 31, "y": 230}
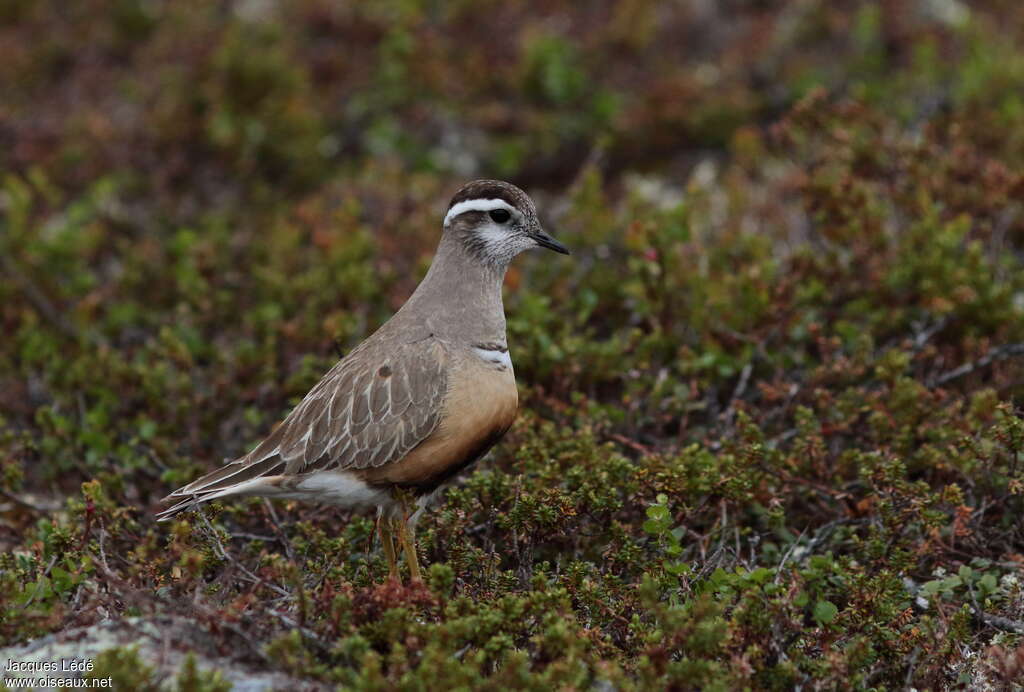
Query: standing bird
{"x": 418, "y": 401}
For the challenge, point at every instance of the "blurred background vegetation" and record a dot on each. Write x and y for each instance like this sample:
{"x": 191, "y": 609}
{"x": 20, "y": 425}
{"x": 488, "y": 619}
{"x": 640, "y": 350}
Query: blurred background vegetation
{"x": 769, "y": 433}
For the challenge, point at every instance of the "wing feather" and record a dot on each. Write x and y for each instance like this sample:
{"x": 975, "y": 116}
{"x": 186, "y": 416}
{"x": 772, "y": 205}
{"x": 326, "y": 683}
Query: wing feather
{"x": 371, "y": 409}
{"x": 359, "y": 413}
{"x": 380, "y": 396}
{"x": 374, "y": 410}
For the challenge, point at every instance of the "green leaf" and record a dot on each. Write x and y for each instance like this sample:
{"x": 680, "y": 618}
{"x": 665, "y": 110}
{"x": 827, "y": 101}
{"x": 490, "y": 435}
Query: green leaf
{"x": 719, "y": 576}
{"x": 62, "y": 580}
{"x": 825, "y": 612}
{"x": 657, "y": 512}
{"x": 677, "y": 568}
{"x": 822, "y": 562}
{"x": 147, "y": 429}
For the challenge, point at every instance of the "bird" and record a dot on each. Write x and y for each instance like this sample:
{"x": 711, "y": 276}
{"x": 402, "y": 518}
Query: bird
{"x": 414, "y": 404}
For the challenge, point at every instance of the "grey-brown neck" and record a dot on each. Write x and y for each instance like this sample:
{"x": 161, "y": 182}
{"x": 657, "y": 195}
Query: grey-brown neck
{"x": 460, "y": 297}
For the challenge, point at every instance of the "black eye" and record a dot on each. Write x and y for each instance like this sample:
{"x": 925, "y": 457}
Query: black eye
{"x": 500, "y": 215}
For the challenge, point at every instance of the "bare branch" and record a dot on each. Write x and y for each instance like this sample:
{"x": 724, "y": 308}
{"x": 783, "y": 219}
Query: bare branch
{"x": 999, "y": 353}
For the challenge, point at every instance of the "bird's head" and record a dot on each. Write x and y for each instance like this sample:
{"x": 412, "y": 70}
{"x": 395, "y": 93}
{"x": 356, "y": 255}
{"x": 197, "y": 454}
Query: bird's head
{"x": 495, "y": 221}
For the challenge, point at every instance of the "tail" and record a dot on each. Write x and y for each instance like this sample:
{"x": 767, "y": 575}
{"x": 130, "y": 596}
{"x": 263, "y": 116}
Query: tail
{"x": 178, "y": 508}
{"x": 246, "y": 476}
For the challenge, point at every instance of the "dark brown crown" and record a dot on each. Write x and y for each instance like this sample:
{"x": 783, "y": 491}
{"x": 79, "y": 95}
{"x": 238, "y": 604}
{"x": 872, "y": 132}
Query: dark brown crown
{"x": 493, "y": 189}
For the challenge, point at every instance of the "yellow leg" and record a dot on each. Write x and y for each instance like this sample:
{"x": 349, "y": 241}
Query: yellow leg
{"x": 387, "y": 539}
{"x": 408, "y": 542}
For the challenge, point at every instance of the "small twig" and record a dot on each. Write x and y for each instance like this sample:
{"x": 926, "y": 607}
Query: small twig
{"x": 632, "y": 444}
{"x": 825, "y": 530}
{"x": 24, "y": 503}
{"x": 911, "y": 667}
{"x": 312, "y": 636}
{"x": 739, "y": 549}
{"x": 225, "y": 555}
{"x": 277, "y": 529}
{"x": 725, "y": 523}
{"x": 924, "y": 335}
{"x": 737, "y": 393}
{"x": 996, "y": 354}
{"x": 132, "y": 595}
{"x": 784, "y": 436}
{"x": 701, "y": 542}
{"x": 253, "y": 537}
{"x": 39, "y": 582}
{"x": 786, "y": 556}
{"x": 223, "y": 623}
{"x": 103, "y": 552}
{"x": 1001, "y": 623}
{"x": 996, "y": 621}
{"x": 710, "y": 563}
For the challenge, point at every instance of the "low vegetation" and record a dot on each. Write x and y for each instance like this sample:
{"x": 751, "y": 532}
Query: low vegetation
{"x": 769, "y": 432}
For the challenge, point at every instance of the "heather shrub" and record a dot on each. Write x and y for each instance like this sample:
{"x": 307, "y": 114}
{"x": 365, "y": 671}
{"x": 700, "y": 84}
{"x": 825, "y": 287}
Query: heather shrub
{"x": 768, "y": 434}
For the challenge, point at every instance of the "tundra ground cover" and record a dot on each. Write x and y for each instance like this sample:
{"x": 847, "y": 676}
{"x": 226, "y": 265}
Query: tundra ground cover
{"x": 769, "y": 432}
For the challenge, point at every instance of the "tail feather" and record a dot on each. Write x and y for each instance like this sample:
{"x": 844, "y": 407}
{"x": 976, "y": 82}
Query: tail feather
{"x": 177, "y": 508}
{"x": 226, "y": 476}
{"x": 244, "y": 476}
{"x": 262, "y": 485}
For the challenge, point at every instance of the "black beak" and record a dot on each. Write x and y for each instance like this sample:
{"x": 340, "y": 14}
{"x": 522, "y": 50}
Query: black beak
{"x": 544, "y": 240}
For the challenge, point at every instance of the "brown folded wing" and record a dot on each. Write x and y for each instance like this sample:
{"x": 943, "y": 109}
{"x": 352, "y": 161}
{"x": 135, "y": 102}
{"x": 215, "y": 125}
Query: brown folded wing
{"x": 369, "y": 413}
{"x": 371, "y": 409}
